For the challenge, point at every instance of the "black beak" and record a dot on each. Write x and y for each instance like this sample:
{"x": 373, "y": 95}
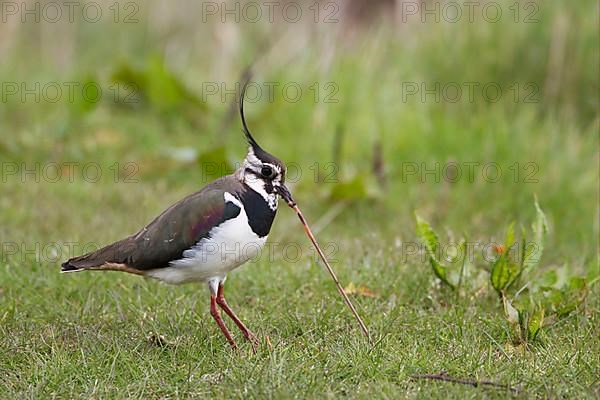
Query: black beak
{"x": 285, "y": 195}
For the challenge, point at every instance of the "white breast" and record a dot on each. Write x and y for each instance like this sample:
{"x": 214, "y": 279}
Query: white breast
{"x": 230, "y": 245}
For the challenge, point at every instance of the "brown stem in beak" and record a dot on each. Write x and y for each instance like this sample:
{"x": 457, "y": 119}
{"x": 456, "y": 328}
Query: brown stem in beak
{"x": 293, "y": 205}
{"x": 285, "y": 195}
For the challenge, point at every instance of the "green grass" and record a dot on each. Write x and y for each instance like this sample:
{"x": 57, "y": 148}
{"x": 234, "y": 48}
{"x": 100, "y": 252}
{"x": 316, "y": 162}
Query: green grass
{"x": 86, "y": 335}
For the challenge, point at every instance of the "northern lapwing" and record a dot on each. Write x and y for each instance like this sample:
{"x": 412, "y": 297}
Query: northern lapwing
{"x": 207, "y": 234}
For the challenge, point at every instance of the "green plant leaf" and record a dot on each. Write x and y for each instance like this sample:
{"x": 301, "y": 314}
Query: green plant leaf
{"x": 510, "y": 312}
{"x": 440, "y": 271}
{"x": 427, "y": 235}
{"x": 559, "y": 302}
{"x": 431, "y": 241}
{"x": 532, "y": 252}
{"x": 572, "y": 295}
{"x": 509, "y": 241}
{"x": 505, "y": 271}
{"x": 523, "y": 323}
{"x": 513, "y": 317}
{"x": 540, "y": 226}
{"x": 535, "y": 323}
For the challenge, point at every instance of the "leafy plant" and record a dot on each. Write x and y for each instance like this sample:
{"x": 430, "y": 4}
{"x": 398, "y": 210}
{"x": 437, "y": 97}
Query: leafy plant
{"x": 539, "y": 302}
{"x": 526, "y": 319}
{"x": 506, "y": 270}
{"x": 431, "y": 242}
{"x": 525, "y": 323}
{"x": 532, "y": 254}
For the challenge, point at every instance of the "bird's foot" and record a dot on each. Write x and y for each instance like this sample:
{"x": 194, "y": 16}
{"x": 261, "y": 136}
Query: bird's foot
{"x": 253, "y": 339}
{"x": 234, "y": 345}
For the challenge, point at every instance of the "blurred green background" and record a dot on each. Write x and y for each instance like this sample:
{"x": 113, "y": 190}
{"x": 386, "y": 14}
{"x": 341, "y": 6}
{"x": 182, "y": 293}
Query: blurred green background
{"x": 157, "y": 66}
{"x": 378, "y": 99}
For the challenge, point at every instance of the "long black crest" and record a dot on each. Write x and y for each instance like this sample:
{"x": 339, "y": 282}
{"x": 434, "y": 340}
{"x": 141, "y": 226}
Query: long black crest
{"x": 245, "y": 129}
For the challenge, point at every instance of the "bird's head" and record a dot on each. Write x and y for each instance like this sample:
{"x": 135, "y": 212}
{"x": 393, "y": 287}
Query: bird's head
{"x": 262, "y": 171}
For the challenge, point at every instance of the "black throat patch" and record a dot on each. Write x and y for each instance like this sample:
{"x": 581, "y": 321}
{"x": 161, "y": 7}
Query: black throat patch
{"x": 260, "y": 215}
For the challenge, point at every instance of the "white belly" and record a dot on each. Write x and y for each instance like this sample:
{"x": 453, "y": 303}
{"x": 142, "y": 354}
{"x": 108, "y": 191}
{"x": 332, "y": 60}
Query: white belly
{"x": 230, "y": 245}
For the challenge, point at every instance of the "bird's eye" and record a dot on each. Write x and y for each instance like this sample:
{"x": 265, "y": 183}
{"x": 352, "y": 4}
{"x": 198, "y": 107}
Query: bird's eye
{"x": 266, "y": 171}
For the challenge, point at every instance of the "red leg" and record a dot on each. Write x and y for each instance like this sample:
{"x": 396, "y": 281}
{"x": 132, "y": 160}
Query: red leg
{"x": 214, "y": 311}
{"x": 223, "y": 303}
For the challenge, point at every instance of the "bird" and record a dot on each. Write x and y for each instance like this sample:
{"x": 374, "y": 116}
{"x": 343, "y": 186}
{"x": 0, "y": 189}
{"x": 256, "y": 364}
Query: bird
{"x": 207, "y": 234}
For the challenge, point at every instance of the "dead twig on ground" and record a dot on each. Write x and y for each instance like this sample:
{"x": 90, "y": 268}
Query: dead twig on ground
{"x": 444, "y": 377}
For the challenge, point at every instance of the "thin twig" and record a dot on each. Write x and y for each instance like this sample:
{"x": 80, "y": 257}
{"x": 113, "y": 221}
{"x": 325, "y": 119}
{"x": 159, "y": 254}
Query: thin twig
{"x": 444, "y": 377}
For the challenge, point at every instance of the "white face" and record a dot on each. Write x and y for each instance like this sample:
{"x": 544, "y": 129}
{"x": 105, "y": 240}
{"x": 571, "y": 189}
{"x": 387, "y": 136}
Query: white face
{"x": 262, "y": 177}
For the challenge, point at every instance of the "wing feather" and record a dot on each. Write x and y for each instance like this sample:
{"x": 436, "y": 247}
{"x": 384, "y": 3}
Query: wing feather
{"x": 163, "y": 240}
